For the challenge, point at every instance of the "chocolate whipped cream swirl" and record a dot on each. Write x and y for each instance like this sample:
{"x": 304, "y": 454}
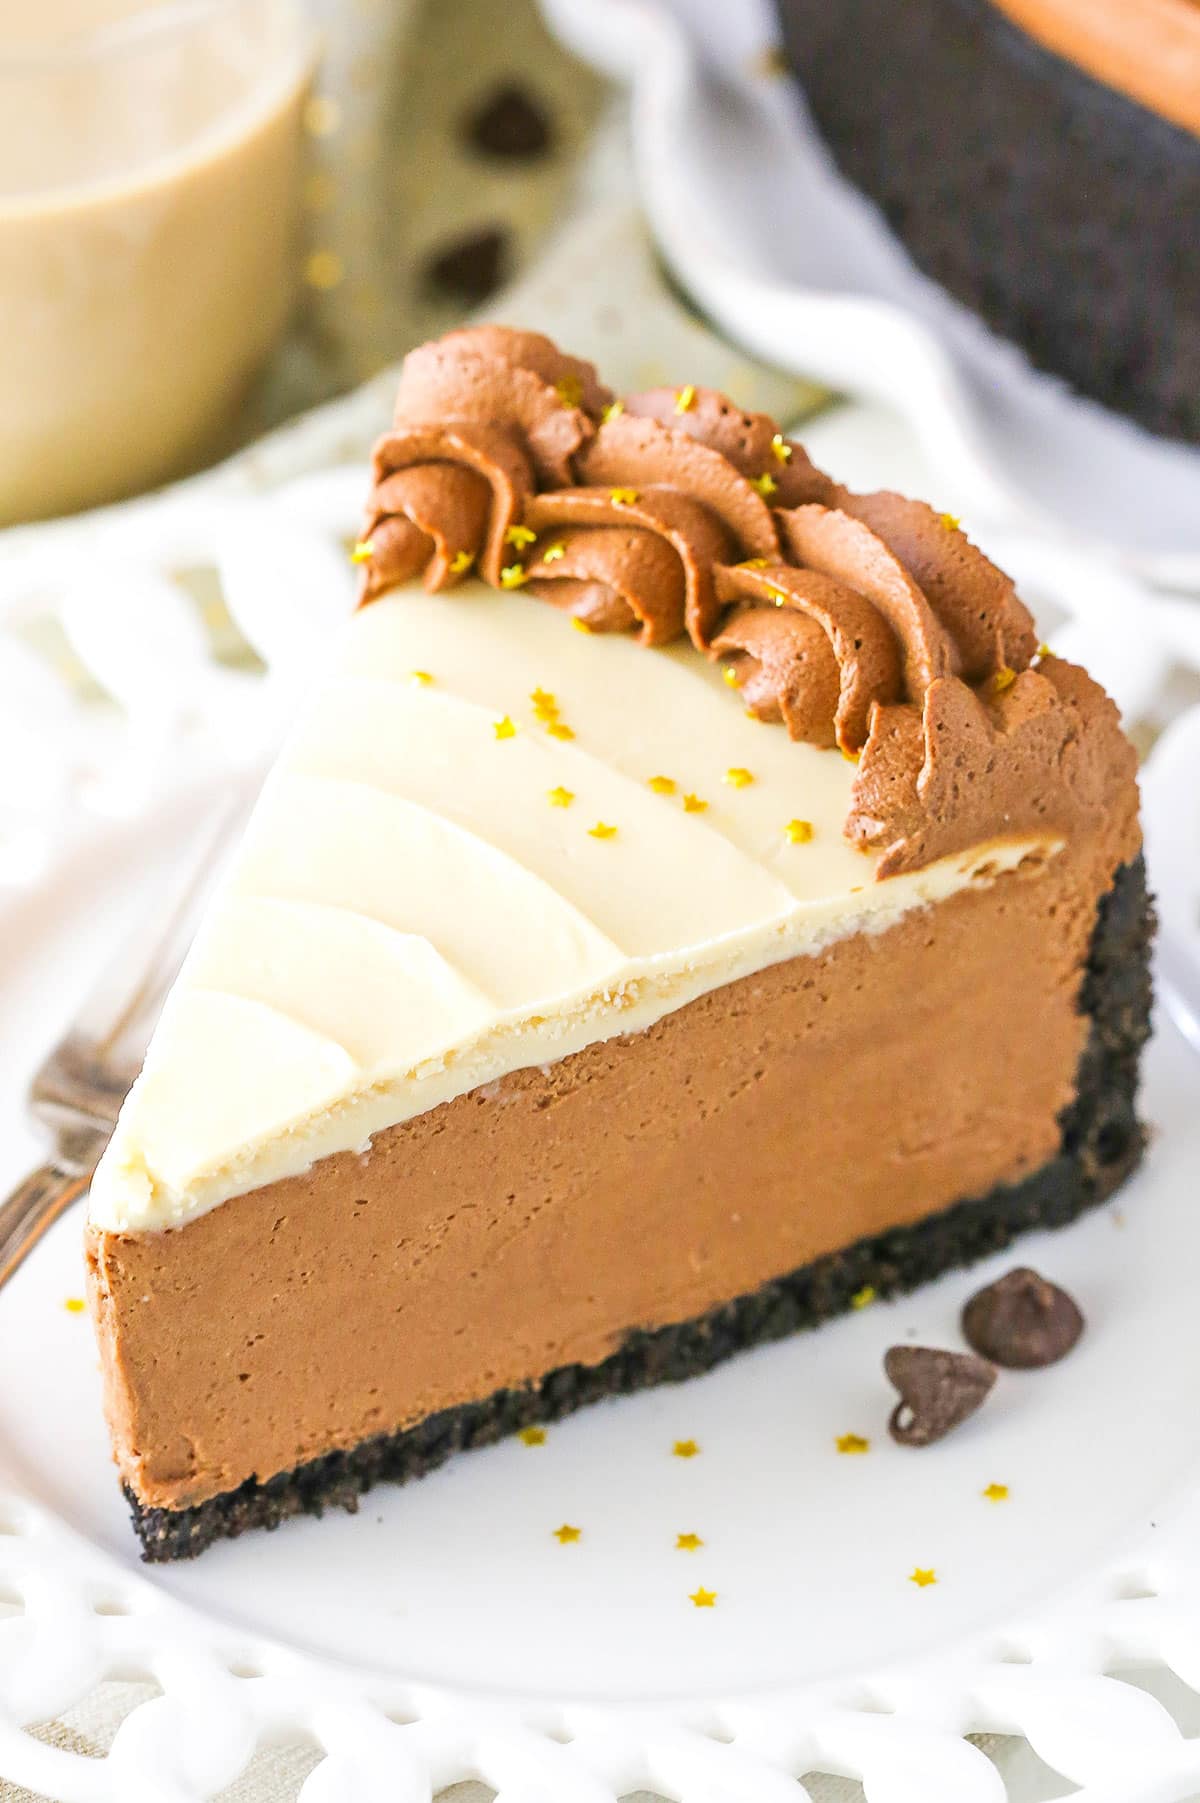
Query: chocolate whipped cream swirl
{"x": 485, "y": 419}
{"x": 866, "y": 623}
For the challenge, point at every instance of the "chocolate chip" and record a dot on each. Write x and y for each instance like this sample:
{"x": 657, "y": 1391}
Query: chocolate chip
{"x": 471, "y": 267}
{"x": 1022, "y": 1321}
{"x": 937, "y": 1390}
{"x": 510, "y": 122}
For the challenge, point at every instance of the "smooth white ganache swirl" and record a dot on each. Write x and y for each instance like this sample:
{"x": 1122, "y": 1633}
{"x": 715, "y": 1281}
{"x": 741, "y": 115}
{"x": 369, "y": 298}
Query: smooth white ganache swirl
{"x": 427, "y": 900}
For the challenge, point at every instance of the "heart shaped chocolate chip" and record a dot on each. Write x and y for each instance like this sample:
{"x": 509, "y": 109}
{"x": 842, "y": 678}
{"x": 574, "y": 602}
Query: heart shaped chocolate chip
{"x": 1022, "y": 1321}
{"x": 937, "y": 1390}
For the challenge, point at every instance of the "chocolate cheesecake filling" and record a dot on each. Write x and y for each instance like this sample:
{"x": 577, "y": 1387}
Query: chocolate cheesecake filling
{"x": 575, "y": 1013}
{"x": 479, "y": 1267}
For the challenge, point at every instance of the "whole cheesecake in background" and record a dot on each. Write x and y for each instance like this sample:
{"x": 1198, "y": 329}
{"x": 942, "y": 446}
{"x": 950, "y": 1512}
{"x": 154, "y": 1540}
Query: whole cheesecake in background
{"x": 690, "y": 897}
{"x": 1041, "y": 160}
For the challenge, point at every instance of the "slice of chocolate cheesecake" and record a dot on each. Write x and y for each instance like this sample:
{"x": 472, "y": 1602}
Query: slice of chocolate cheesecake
{"x": 688, "y": 899}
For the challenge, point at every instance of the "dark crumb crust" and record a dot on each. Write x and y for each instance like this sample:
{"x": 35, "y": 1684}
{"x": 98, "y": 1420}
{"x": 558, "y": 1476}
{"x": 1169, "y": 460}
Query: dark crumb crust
{"x": 1102, "y": 1141}
{"x": 1050, "y": 203}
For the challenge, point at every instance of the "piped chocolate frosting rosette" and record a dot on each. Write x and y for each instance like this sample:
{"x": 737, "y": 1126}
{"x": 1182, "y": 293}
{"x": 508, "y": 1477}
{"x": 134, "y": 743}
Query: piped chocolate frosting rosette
{"x": 867, "y": 624}
{"x": 484, "y": 418}
{"x": 685, "y": 468}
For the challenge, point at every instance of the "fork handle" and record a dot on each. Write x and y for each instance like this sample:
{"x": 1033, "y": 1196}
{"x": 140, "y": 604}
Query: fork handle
{"x": 33, "y": 1206}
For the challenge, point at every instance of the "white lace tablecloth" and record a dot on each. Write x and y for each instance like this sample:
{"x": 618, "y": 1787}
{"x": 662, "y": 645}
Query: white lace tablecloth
{"x": 391, "y": 180}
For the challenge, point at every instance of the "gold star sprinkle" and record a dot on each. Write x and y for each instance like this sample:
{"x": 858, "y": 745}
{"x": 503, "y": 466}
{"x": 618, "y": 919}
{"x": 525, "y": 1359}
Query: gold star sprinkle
{"x": 950, "y": 521}
{"x": 560, "y": 797}
{"x": 1044, "y": 651}
{"x": 602, "y": 830}
{"x": 996, "y": 1493}
{"x": 504, "y": 729}
{"x": 520, "y": 536}
{"x": 771, "y": 62}
{"x": 1003, "y": 679}
{"x": 752, "y": 563}
{"x": 692, "y": 804}
{"x": 922, "y": 1578}
{"x": 737, "y": 776}
{"x": 614, "y": 410}
{"x": 533, "y": 1436}
{"x": 552, "y": 553}
{"x": 798, "y": 832}
{"x": 461, "y": 562}
{"x": 74, "y": 1305}
{"x": 557, "y": 730}
{"x": 765, "y": 485}
{"x": 685, "y": 1449}
{"x": 851, "y": 757}
{"x": 324, "y": 270}
{"x": 852, "y": 1443}
{"x": 730, "y": 675}
{"x": 685, "y": 400}
{"x": 688, "y": 1543}
{"x": 569, "y": 390}
{"x": 863, "y": 1298}
{"x": 362, "y": 551}
{"x": 579, "y": 625}
{"x": 623, "y": 497}
{"x": 322, "y": 116}
{"x": 513, "y": 575}
{"x": 543, "y": 702}
{"x": 422, "y": 676}
{"x": 780, "y": 448}
{"x": 777, "y": 596}
{"x": 567, "y": 1535}
{"x": 662, "y": 785}
{"x": 703, "y": 1599}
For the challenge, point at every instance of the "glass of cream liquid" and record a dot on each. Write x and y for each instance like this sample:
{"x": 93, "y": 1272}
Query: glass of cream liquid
{"x": 150, "y": 169}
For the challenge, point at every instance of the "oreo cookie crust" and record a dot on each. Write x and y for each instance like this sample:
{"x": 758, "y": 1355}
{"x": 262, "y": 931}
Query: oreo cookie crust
{"x": 1052, "y": 205}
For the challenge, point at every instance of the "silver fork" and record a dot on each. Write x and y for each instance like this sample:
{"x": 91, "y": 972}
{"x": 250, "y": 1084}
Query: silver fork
{"x": 77, "y": 1093}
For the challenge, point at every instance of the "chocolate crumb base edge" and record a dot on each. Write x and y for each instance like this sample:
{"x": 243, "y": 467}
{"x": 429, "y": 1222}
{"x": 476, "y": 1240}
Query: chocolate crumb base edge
{"x": 1047, "y": 202}
{"x": 1102, "y": 1142}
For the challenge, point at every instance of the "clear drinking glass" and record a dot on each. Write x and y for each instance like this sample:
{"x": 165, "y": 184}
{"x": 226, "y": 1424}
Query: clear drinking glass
{"x": 150, "y": 158}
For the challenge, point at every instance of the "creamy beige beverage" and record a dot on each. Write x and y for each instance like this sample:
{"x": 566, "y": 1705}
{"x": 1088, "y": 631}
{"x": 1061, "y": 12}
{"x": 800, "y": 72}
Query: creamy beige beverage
{"x": 149, "y": 164}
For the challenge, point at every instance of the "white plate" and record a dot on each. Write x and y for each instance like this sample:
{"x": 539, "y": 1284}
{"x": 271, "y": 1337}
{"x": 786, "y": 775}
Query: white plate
{"x": 792, "y": 263}
{"x": 443, "y": 1633}
{"x": 457, "y": 1587}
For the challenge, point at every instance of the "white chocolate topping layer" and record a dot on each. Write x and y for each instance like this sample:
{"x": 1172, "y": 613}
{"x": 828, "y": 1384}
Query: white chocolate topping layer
{"x": 418, "y": 908}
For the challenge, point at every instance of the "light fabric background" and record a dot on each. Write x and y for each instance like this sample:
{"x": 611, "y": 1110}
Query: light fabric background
{"x": 390, "y": 184}
{"x": 393, "y": 180}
